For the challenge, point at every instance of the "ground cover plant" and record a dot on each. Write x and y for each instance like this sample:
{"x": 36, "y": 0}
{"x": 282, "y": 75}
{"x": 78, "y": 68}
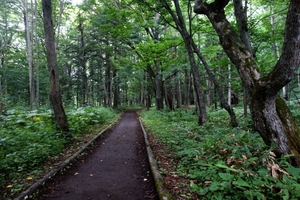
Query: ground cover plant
{"x": 29, "y": 138}
{"x": 217, "y": 161}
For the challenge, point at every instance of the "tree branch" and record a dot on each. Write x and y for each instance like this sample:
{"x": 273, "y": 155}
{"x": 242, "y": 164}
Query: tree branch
{"x": 200, "y": 7}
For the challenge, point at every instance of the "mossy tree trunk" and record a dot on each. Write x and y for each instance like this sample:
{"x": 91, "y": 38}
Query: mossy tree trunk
{"x": 269, "y": 112}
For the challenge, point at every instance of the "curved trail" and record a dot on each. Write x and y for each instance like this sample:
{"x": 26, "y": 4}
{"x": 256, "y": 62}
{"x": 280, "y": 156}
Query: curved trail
{"x": 117, "y": 168}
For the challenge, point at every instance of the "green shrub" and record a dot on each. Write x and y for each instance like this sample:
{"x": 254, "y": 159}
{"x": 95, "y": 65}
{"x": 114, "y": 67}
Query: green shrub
{"x": 222, "y": 162}
{"x": 28, "y": 138}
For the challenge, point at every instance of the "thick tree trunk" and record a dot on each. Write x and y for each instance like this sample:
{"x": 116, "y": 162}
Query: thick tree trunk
{"x": 55, "y": 93}
{"x": 269, "y": 112}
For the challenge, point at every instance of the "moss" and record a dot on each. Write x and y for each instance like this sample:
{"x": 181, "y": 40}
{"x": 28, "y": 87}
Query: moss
{"x": 292, "y": 131}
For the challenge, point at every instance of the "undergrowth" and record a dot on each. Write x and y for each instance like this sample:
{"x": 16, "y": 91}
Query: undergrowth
{"x": 29, "y": 138}
{"x": 222, "y": 162}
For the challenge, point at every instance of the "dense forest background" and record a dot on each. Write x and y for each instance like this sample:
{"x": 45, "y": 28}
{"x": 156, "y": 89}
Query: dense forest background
{"x": 169, "y": 55}
{"x": 112, "y": 53}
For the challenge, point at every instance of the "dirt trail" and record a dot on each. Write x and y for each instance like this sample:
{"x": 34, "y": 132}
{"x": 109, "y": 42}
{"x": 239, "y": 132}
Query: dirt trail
{"x": 117, "y": 168}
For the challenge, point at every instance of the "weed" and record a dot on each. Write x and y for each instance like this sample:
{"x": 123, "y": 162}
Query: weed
{"x": 222, "y": 162}
{"x": 29, "y": 138}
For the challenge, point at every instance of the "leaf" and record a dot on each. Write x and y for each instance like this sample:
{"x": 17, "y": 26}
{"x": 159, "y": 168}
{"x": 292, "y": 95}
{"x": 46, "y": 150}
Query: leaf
{"x": 214, "y": 187}
{"x": 293, "y": 171}
{"x": 9, "y": 186}
{"x": 226, "y": 176}
{"x": 29, "y": 178}
{"x": 222, "y": 166}
{"x": 241, "y": 183}
{"x": 225, "y": 167}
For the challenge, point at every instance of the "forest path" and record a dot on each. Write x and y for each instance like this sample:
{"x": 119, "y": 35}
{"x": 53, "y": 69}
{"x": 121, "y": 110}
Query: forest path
{"x": 117, "y": 168}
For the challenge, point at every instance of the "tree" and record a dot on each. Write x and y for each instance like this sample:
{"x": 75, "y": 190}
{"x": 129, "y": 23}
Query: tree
{"x": 29, "y": 50}
{"x": 55, "y": 93}
{"x": 269, "y": 112}
{"x": 192, "y": 48}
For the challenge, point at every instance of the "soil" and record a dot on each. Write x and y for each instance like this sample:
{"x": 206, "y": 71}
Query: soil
{"x": 115, "y": 168}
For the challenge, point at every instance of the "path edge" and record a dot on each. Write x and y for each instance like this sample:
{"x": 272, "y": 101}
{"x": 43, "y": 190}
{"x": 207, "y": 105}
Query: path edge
{"x": 163, "y": 193}
{"x": 33, "y": 188}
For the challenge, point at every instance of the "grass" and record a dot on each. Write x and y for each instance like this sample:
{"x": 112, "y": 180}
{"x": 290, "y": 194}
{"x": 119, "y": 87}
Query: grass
{"x": 218, "y": 161}
{"x": 30, "y": 145}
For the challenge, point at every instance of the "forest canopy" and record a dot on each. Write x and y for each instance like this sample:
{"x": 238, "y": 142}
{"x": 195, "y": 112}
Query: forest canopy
{"x": 200, "y": 55}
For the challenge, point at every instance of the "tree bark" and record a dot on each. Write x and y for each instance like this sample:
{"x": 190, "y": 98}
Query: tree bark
{"x": 269, "y": 112}
{"x": 108, "y": 81}
{"x": 241, "y": 18}
{"x": 158, "y": 87}
{"x": 29, "y": 54}
{"x": 115, "y": 89}
{"x": 187, "y": 38}
{"x": 187, "y": 85}
{"x": 178, "y": 91}
{"x": 84, "y": 85}
{"x": 55, "y": 93}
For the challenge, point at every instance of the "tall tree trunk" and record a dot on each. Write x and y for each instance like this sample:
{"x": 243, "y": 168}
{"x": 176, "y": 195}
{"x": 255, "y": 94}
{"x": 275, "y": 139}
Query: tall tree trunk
{"x": 2, "y": 104}
{"x": 240, "y": 12}
{"x": 178, "y": 91}
{"x": 55, "y": 93}
{"x": 276, "y": 48}
{"x": 29, "y": 54}
{"x": 115, "y": 89}
{"x": 68, "y": 72}
{"x": 84, "y": 85}
{"x": 61, "y": 9}
{"x": 269, "y": 112}
{"x": 159, "y": 87}
{"x": 187, "y": 84}
{"x": 108, "y": 81}
{"x": 37, "y": 50}
{"x": 208, "y": 93}
{"x": 229, "y": 85}
{"x": 187, "y": 38}
{"x": 4, "y": 47}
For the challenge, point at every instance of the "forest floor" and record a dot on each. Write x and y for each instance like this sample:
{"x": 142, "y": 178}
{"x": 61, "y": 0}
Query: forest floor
{"x": 115, "y": 168}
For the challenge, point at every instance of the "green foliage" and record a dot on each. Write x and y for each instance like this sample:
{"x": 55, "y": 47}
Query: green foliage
{"x": 81, "y": 119}
{"x": 221, "y": 162}
{"x": 28, "y": 139}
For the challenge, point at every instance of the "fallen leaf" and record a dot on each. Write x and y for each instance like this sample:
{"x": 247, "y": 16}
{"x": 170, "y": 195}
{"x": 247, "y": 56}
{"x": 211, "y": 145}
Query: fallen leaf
{"x": 9, "y": 186}
{"x": 29, "y": 178}
{"x": 207, "y": 182}
{"x": 76, "y": 173}
{"x": 91, "y": 174}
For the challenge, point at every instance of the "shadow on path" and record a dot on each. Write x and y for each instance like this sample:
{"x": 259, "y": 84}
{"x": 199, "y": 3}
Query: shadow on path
{"x": 116, "y": 169}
